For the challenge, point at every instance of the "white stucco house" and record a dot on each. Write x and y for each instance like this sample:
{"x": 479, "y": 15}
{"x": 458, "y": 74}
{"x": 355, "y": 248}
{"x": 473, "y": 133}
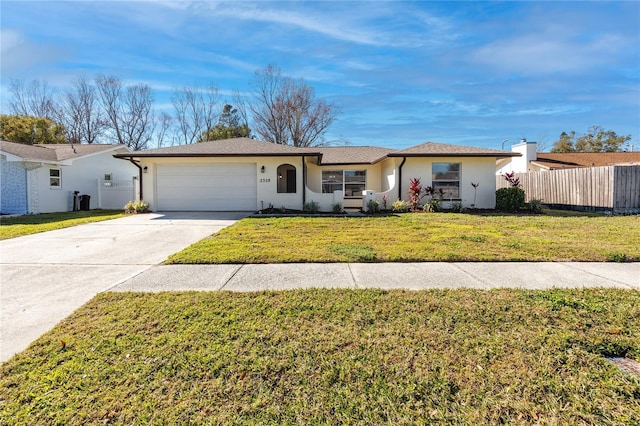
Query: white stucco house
{"x": 248, "y": 175}
{"x": 43, "y": 178}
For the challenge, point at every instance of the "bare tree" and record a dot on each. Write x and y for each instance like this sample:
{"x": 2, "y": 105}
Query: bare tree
{"x": 34, "y": 99}
{"x": 267, "y": 108}
{"x": 129, "y": 111}
{"x": 195, "y": 111}
{"x": 241, "y": 105}
{"x": 165, "y": 120}
{"x": 80, "y": 112}
{"x": 286, "y": 111}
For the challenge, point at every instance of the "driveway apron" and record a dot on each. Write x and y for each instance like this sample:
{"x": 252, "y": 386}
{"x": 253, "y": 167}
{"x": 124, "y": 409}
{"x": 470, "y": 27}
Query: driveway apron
{"x": 45, "y": 277}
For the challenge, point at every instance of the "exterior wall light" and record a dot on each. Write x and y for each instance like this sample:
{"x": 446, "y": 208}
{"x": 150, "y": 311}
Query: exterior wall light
{"x": 262, "y": 169}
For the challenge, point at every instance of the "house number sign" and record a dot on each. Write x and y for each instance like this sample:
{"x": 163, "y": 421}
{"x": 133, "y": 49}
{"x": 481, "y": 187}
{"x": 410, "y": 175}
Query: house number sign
{"x": 265, "y": 180}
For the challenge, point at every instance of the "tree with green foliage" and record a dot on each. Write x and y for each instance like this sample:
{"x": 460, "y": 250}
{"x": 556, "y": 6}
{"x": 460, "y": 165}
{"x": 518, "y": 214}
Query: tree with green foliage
{"x": 230, "y": 125}
{"x": 30, "y": 130}
{"x": 597, "y": 139}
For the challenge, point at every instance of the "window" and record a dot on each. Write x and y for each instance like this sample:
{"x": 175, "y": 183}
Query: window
{"x": 286, "y": 179}
{"x": 355, "y": 181}
{"x": 351, "y": 182}
{"x": 55, "y": 178}
{"x": 331, "y": 181}
{"x": 446, "y": 176}
{"x": 107, "y": 179}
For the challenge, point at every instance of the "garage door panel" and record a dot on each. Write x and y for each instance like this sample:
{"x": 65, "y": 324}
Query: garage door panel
{"x": 207, "y": 187}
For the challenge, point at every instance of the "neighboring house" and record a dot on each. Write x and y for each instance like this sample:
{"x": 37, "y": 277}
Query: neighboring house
{"x": 248, "y": 175}
{"x": 533, "y": 161}
{"x": 590, "y": 181}
{"x": 43, "y": 178}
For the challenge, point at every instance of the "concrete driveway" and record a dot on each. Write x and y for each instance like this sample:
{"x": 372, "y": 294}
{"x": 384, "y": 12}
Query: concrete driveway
{"x": 45, "y": 277}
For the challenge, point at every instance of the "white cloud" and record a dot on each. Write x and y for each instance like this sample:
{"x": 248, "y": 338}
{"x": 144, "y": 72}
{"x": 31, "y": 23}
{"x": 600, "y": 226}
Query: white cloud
{"x": 356, "y": 22}
{"x": 548, "y": 52}
{"x": 21, "y": 55}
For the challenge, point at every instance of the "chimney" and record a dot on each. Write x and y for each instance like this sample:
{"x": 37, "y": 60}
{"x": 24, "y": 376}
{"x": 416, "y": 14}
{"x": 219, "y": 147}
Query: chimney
{"x": 529, "y": 153}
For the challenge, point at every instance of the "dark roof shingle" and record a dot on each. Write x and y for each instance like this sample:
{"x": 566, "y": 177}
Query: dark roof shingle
{"x": 566, "y": 160}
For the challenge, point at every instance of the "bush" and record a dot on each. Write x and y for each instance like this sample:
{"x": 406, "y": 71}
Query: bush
{"x": 337, "y": 208}
{"x": 432, "y": 206}
{"x": 617, "y": 257}
{"x": 510, "y": 199}
{"x": 373, "y": 206}
{"x": 311, "y": 207}
{"x": 134, "y": 207}
{"x": 535, "y": 206}
{"x": 456, "y": 207}
{"x": 400, "y": 206}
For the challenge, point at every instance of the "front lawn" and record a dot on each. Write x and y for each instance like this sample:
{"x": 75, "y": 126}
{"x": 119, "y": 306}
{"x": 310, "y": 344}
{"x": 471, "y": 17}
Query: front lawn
{"x": 421, "y": 237}
{"x": 19, "y": 226}
{"x": 333, "y": 357}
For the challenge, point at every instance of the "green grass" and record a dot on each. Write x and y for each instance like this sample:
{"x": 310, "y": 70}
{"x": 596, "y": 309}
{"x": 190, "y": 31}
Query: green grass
{"x": 333, "y": 357}
{"x": 421, "y": 237}
{"x": 13, "y": 227}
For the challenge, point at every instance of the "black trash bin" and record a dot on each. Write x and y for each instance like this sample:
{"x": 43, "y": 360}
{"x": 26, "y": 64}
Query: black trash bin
{"x": 84, "y": 202}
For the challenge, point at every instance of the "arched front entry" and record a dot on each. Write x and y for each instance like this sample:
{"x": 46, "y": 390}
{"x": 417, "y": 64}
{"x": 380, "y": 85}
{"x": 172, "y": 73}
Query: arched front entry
{"x": 286, "y": 179}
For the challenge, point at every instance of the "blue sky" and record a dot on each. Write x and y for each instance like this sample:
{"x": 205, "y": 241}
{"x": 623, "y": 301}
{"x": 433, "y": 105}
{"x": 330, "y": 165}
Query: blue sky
{"x": 471, "y": 73}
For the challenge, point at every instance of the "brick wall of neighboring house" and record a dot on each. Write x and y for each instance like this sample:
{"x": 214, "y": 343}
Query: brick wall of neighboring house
{"x": 13, "y": 181}
{"x": 33, "y": 172}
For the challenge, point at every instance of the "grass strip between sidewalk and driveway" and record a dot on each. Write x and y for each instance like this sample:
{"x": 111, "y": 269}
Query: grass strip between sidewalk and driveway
{"x": 19, "y": 226}
{"x": 333, "y": 357}
{"x": 421, "y": 237}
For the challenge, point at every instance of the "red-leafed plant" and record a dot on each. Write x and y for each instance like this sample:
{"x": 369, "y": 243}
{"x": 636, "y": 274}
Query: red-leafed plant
{"x": 415, "y": 189}
{"x": 512, "y": 179}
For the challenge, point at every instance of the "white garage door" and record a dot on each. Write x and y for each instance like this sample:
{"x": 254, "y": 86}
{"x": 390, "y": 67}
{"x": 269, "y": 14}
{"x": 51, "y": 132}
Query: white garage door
{"x": 207, "y": 187}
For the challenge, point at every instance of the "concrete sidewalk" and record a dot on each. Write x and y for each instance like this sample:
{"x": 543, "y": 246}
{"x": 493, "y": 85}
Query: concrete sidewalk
{"x": 411, "y": 276}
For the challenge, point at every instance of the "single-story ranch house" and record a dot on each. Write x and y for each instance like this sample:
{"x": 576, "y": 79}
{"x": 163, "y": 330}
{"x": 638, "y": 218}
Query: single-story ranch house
{"x": 43, "y": 178}
{"x": 248, "y": 175}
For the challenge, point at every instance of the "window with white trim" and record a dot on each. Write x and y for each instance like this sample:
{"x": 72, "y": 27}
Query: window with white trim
{"x": 446, "y": 176}
{"x": 350, "y": 182}
{"x": 55, "y": 178}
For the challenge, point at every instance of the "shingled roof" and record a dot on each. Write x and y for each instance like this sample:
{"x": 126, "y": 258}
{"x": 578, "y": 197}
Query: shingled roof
{"x": 434, "y": 149}
{"x": 245, "y": 147}
{"x": 337, "y": 155}
{"x": 53, "y": 152}
{"x": 570, "y": 160}
{"x": 235, "y": 147}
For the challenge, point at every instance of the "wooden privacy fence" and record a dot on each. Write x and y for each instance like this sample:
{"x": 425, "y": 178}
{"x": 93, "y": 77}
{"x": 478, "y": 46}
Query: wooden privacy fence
{"x": 610, "y": 188}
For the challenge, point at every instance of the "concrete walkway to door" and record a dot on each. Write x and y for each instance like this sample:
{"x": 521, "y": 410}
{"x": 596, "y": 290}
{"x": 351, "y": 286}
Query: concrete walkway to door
{"x": 45, "y": 277}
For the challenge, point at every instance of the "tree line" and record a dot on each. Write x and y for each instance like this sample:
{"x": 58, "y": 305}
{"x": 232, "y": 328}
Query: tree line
{"x": 595, "y": 139}
{"x": 105, "y": 109}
